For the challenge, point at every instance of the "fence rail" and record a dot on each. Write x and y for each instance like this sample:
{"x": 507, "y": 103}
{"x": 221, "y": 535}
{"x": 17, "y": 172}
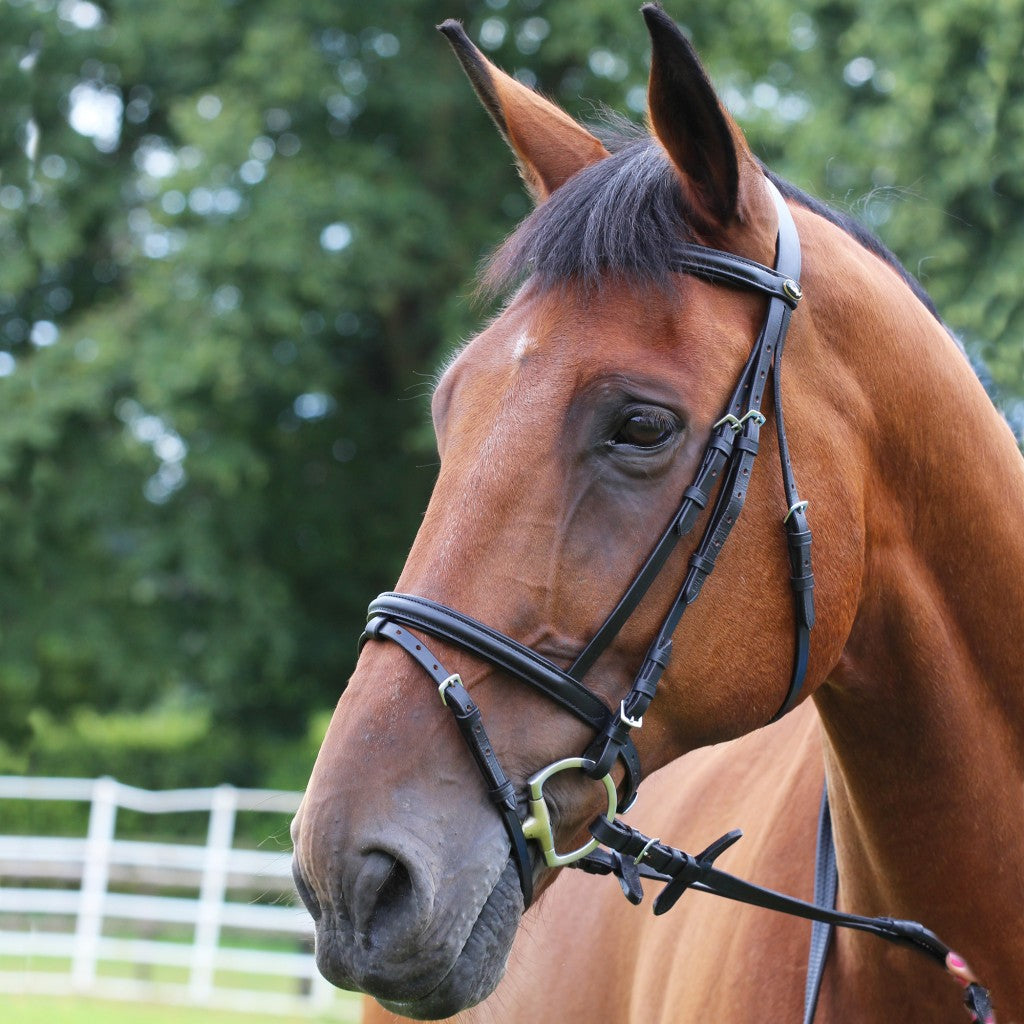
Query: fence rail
{"x": 212, "y": 923}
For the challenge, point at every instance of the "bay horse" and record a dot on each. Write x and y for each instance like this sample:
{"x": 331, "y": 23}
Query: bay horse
{"x": 569, "y": 432}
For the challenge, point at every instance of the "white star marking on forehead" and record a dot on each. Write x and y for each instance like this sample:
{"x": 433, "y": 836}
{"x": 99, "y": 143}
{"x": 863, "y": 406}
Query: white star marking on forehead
{"x": 522, "y": 345}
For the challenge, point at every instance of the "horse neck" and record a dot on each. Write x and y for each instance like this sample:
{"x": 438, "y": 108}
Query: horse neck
{"x": 924, "y": 714}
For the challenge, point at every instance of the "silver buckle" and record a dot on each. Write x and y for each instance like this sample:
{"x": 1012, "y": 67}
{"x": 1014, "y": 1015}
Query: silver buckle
{"x": 738, "y": 423}
{"x": 800, "y": 506}
{"x": 643, "y": 853}
{"x": 445, "y": 683}
{"x": 633, "y": 723}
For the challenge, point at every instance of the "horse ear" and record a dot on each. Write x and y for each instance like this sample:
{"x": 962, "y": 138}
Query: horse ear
{"x": 705, "y": 144}
{"x": 549, "y": 145}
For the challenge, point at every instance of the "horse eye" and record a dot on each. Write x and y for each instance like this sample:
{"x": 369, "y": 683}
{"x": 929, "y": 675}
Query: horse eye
{"x": 644, "y": 430}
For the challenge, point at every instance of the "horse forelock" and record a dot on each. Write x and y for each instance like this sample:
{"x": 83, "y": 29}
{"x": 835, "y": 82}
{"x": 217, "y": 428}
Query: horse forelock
{"x": 623, "y": 215}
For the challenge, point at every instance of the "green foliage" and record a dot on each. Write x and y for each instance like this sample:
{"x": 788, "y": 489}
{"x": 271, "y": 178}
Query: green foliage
{"x": 238, "y": 238}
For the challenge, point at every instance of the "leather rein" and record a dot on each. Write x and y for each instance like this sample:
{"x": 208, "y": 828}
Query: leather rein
{"x": 615, "y": 847}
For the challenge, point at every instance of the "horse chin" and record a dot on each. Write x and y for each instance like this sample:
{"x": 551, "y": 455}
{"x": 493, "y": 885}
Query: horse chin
{"x": 475, "y": 971}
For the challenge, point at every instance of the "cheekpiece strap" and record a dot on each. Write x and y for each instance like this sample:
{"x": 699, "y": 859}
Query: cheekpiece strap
{"x": 730, "y": 458}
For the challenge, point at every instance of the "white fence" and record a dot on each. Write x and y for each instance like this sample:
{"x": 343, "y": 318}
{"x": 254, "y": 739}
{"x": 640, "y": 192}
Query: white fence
{"x": 210, "y": 924}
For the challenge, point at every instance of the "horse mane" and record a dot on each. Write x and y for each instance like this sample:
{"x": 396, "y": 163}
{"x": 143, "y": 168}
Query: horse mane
{"x": 626, "y": 214}
{"x": 858, "y": 232}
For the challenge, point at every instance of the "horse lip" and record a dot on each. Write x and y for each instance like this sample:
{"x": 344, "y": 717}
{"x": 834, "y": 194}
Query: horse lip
{"x": 464, "y": 983}
{"x": 440, "y": 1003}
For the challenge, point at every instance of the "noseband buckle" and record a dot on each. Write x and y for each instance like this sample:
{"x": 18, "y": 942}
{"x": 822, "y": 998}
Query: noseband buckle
{"x": 453, "y": 680}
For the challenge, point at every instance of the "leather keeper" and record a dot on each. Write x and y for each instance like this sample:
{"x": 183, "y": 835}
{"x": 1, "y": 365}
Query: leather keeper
{"x": 696, "y": 495}
{"x": 702, "y": 563}
{"x": 751, "y": 444}
{"x": 603, "y": 752}
{"x": 689, "y": 512}
{"x": 504, "y": 795}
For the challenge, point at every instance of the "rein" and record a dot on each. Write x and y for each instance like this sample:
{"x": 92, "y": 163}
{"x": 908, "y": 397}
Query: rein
{"x": 727, "y": 462}
{"x": 633, "y": 855}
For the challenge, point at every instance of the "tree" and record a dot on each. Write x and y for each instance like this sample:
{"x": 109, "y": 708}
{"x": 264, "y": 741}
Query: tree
{"x": 239, "y": 237}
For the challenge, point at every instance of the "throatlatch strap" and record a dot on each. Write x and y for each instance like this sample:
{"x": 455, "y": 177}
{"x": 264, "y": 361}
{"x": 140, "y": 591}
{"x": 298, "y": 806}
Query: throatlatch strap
{"x": 798, "y": 534}
{"x": 826, "y": 886}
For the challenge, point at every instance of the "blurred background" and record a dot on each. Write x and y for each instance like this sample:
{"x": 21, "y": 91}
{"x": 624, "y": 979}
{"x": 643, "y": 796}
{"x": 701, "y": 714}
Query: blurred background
{"x": 238, "y": 237}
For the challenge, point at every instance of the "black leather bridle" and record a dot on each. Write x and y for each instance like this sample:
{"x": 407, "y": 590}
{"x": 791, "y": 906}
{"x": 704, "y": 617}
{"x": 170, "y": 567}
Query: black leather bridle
{"x": 729, "y": 459}
{"x": 727, "y": 462}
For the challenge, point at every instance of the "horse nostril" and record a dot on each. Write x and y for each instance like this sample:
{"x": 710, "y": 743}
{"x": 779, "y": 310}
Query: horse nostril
{"x": 386, "y": 906}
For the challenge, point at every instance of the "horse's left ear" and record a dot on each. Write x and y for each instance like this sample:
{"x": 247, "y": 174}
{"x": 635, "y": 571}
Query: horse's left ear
{"x": 549, "y": 145}
{"x": 705, "y": 144}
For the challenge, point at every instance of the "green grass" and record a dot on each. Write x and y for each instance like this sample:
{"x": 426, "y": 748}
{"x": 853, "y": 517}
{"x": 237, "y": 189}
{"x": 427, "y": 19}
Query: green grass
{"x": 160, "y": 974}
{"x": 81, "y": 1010}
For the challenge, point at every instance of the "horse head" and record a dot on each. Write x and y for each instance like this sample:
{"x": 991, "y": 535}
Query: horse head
{"x": 569, "y": 430}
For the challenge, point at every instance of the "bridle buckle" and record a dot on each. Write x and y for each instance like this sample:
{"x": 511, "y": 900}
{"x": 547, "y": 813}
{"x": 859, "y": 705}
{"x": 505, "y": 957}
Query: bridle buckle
{"x": 799, "y": 506}
{"x": 738, "y": 422}
{"x": 646, "y": 850}
{"x": 633, "y": 723}
{"x": 453, "y": 680}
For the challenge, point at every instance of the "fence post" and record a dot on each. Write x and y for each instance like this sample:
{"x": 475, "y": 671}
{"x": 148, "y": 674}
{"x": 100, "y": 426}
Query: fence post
{"x": 93, "y": 893}
{"x": 219, "y": 840}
